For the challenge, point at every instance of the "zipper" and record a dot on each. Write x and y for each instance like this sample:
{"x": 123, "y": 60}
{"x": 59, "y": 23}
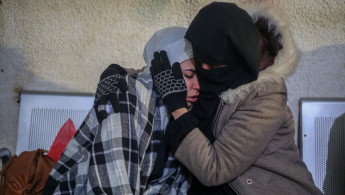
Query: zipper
{"x": 233, "y": 189}
{"x": 219, "y": 111}
{"x": 216, "y": 118}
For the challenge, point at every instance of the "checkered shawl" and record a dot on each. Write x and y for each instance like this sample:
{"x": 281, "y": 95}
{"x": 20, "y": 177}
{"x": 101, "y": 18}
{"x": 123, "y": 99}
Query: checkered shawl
{"x": 108, "y": 158}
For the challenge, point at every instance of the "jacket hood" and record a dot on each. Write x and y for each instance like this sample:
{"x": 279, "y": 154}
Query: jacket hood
{"x": 286, "y": 58}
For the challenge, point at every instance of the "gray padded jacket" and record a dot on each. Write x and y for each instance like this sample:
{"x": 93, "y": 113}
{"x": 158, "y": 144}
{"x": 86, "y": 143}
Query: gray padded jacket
{"x": 254, "y": 151}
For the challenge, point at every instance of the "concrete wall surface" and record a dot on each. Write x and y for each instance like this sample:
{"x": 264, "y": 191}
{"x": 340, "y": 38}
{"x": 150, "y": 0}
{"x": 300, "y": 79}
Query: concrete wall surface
{"x": 49, "y": 45}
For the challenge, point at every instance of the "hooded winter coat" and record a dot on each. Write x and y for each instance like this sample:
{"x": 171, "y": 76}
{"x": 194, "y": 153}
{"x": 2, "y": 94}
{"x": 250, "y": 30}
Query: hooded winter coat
{"x": 254, "y": 151}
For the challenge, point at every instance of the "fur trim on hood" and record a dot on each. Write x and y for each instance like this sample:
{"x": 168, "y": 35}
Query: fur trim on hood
{"x": 288, "y": 56}
{"x": 286, "y": 59}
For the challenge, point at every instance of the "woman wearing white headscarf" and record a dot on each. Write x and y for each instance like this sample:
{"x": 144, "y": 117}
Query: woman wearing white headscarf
{"x": 117, "y": 155}
{"x": 179, "y": 52}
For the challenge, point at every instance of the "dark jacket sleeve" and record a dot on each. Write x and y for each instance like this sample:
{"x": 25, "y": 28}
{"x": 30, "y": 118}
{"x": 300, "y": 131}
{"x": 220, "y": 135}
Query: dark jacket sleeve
{"x": 178, "y": 129}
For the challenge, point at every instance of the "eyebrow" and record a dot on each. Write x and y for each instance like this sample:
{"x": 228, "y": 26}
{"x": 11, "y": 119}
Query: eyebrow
{"x": 190, "y": 69}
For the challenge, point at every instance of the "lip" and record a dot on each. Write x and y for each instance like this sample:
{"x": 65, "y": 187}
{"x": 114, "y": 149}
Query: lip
{"x": 192, "y": 99}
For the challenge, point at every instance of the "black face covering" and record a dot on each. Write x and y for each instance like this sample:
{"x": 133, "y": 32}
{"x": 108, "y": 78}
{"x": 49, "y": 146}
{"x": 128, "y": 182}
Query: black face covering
{"x": 215, "y": 81}
{"x": 212, "y": 83}
{"x": 222, "y": 34}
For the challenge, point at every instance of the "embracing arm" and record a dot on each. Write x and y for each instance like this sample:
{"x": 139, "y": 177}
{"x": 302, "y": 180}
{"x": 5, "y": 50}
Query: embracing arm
{"x": 112, "y": 79}
{"x": 240, "y": 143}
{"x": 242, "y": 140}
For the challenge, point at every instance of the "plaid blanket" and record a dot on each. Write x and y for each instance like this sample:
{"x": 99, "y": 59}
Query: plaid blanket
{"x": 117, "y": 156}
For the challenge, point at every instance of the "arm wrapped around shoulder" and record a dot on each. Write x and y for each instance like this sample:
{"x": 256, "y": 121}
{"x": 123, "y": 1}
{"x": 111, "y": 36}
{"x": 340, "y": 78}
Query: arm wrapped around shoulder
{"x": 243, "y": 138}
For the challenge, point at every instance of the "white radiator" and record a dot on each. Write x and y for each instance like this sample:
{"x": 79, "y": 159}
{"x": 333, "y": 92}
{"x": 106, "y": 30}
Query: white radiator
{"x": 42, "y": 115}
{"x": 322, "y": 142}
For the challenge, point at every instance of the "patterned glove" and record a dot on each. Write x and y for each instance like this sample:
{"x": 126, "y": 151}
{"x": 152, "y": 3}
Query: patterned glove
{"x": 168, "y": 81}
{"x": 111, "y": 80}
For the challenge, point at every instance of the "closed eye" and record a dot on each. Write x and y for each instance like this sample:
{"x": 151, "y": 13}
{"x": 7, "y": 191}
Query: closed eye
{"x": 189, "y": 76}
{"x": 189, "y": 73}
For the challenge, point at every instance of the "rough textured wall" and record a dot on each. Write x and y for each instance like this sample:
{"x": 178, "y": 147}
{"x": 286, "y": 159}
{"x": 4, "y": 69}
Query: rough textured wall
{"x": 65, "y": 45}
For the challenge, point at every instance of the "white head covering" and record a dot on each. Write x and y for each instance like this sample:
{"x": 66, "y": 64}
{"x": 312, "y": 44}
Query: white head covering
{"x": 172, "y": 41}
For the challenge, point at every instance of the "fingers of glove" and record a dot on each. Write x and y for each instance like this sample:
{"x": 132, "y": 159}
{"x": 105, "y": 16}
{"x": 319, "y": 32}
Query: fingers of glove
{"x": 153, "y": 69}
{"x": 99, "y": 117}
{"x": 100, "y": 103}
{"x": 165, "y": 60}
{"x": 107, "y": 72}
{"x": 100, "y": 108}
{"x": 176, "y": 69}
{"x": 114, "y": 100}
{"x": 122, "y": 84}
{"x": 155, "y": 64}
{"x": 117, "y": 68}
{"x": 156, "y": 56}
{"x": 102, "y": 115}
{"x": 113, "y": 69}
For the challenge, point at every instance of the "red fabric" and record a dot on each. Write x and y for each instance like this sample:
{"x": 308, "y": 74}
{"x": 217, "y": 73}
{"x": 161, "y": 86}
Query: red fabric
{"x": 61, "y": 140}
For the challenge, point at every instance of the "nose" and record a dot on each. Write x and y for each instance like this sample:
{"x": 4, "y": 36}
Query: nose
{"x": 196, "y": 85}
{"x": 205, "y": 66}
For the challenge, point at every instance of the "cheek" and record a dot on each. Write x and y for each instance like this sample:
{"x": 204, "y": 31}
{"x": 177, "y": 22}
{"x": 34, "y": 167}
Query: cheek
{"x": 188, "y": 85}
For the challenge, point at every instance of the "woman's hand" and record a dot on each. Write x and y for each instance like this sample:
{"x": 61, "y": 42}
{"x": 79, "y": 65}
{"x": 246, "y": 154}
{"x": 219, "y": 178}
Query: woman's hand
{"x": 168, "y": 82}
{"x": 111, "y": 80}
{"x": 179, "y": 112}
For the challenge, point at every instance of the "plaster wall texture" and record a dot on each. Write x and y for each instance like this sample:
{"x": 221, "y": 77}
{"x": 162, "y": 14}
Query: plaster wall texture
{"x": 65, "y": 45}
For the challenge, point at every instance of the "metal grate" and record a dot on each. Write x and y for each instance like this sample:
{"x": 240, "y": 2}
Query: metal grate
{"x": 50, "y": 121}
{"x": 330, "y": 154}
{"x": 323, "y": 142}
{"x": 42, "y": 114}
